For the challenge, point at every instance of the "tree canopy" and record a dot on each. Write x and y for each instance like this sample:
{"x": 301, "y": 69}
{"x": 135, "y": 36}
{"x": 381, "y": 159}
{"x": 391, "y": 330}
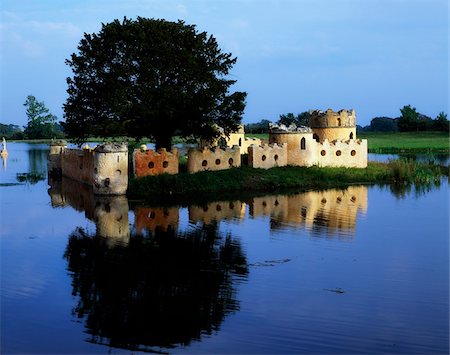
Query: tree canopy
{"x": 152, "y": 78}
{"x": 301, "y": 119}
{"x": 41, "y": 123}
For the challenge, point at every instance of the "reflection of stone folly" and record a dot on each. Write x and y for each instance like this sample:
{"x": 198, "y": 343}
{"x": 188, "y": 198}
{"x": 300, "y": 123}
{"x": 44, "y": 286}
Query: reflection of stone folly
{"x": 327, "y": 211}
{"x": 109, "y": 213}
{"x": 105, "y": 168}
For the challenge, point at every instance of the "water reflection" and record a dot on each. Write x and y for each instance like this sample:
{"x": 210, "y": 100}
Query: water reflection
{"x": 162, "y": 290}
{"x": 109, "y": 213}
{"x": 329, "y": 211}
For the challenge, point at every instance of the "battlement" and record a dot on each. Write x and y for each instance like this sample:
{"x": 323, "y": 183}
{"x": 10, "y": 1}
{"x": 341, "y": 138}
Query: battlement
{"x": 275, "y": 128}
{"x": 105, "y": 168}
{"x": 267, "y": 156}
{"x": 148, "y": 162}
{"x": 338, "y": 153}
{"x": 330, "y": 118}
{"x": 213, "y": 159}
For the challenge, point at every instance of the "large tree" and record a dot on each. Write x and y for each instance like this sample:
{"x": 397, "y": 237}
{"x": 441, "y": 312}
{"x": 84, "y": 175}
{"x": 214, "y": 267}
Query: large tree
{"x": 41, "y": 123}
{"x": 153, "y": 78}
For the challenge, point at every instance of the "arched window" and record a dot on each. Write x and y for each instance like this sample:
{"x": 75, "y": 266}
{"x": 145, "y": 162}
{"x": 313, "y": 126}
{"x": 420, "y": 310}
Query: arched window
{"x": 303, "y": 144}
{"x": 351, "y": 135}
{"x": 339, "y": 121}
{"x": 240, "y": 142}
{"x": 316, "y": 137}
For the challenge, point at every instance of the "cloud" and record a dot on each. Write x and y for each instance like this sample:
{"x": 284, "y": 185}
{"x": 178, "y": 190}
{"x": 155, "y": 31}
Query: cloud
{"x": 33, "y": 38}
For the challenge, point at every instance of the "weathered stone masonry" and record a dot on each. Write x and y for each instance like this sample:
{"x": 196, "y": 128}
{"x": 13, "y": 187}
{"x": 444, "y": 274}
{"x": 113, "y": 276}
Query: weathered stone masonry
{"x": 105, "y": 168}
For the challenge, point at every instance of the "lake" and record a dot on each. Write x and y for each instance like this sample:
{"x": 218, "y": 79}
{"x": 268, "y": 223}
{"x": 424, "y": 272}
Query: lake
{"x": 357, "y": 270}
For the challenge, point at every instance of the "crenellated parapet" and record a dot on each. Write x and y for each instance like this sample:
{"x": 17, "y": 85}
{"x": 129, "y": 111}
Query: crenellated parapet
{"x": 267, "y": 156}
{"x": 351, "y": 153}
{"x": 105, "y": 168}
{"x": 330, "y": 118}
{"x": 213, "y": 159}
{"x": 150, "y": 162}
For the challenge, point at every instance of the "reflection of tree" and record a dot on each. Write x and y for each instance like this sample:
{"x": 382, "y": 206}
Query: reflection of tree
{"x": 161, "y": 290}
{"x": 37, "y": 159}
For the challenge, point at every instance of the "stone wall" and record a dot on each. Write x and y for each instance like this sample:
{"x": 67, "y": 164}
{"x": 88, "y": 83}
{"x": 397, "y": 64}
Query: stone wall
{"x": 213, "y": 159}
{"x": 329, "y": 118}
{"x": 148, "y": 162}
{"x": 105, "y": 168}
{"x": 350, "y": 154}
{"x": 267, "y": 156}
{"x": 234, "y": 139}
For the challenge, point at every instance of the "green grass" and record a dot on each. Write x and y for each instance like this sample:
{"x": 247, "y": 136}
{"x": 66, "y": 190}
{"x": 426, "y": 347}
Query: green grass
{"x": 238, "y": 182}
{"x": 391, "y": 142}
{"x": 264, "y": 136}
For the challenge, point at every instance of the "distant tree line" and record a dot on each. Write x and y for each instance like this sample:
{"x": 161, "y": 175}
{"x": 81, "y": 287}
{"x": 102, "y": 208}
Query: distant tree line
{"x": 409, "y": 120}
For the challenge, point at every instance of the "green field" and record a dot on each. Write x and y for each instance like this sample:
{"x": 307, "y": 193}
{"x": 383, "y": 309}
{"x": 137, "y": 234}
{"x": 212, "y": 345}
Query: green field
{"x": 392, "y": 142}
{"x": 406, "y": 141}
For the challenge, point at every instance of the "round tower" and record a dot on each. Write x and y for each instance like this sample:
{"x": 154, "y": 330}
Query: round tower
{"x": 110, "y": 169}
{"x": 299, "y": 142}
{"x": 332, "y": 125}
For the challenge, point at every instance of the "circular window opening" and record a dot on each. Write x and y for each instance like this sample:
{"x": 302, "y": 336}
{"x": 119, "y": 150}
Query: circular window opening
{"x": 323, "y": 153}
{"x": 218, "y": 208}
{"x": 165, "y": 164}
{"x": 264, "y": 204}
{"x": 339, "y": 200}
{"x": 324, "y": 200}
{"x": 205, "y": 208}
{"x": 353, "y": 153}
{"x": 151, "y": 165}
{"x": 353, "y": 199}
{"x": 230, "y": 161}
{"x": 152, "y": 215}
{"x": 276, "y": 157}
{"x": 231, "y": 205}
{"x": 204, "y": 163}
{"x": 264, "y": 158}
{"x": 217, "y": 161}
{"x": 338, "y": 153}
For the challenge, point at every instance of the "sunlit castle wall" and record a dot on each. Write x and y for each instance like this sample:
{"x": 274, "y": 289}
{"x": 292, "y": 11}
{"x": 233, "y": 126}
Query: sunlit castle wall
{"x": 236, "y": 138}
{"x": 299, "y": 141}
{"x": 332, "y": 125}
{"x": 213, "y": 159}
{"x": 267, "y": 156}
{"x": 148, "y": 162}
{"x": 350, "y": 154}
{"x": 110, "y": 169}
{"x": 105, "y": 168}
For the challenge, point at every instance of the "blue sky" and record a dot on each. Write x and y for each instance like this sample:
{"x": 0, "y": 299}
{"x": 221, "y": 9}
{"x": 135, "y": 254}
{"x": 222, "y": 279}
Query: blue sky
{"x": 293, "y": 55}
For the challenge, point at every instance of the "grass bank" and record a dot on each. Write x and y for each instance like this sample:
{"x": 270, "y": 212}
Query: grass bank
{"x": 238, "y": 182}
{"x": 414, "y": 142}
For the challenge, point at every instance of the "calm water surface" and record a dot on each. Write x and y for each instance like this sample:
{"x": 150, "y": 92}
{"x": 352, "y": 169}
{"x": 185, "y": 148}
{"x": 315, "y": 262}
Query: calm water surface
{"x": 360, "y": 270}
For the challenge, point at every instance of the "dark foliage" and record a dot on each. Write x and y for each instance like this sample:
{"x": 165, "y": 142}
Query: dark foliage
{"x": 160, "y": 290}
{"x": 302, "y": 119}
{"x": 152, "y": 78}
{"x": 258, "y": 127}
